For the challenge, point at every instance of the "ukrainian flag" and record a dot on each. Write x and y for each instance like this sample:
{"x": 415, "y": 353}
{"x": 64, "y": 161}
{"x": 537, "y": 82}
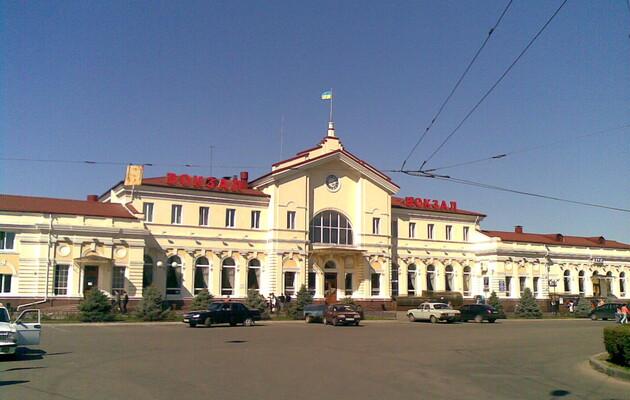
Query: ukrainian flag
{"x": 327, "y": 95}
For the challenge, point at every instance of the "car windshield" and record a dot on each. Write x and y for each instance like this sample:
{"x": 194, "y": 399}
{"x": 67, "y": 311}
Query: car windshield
{"x": 215, "y": 306}
{"x": 441, "y": 306}
{"x": 345, "y": 308}
{"x": 4, "y": 315}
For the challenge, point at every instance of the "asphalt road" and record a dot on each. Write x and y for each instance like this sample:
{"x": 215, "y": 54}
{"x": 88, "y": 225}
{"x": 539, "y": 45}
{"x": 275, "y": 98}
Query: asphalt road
{"x": 543, "y": 359}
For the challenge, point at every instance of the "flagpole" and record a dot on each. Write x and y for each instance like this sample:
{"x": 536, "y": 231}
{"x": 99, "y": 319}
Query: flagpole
{"x": 331, "y": 105}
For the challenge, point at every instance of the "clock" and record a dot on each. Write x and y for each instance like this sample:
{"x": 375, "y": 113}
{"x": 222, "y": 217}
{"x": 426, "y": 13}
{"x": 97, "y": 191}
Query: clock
{"x": 332, "y": 182}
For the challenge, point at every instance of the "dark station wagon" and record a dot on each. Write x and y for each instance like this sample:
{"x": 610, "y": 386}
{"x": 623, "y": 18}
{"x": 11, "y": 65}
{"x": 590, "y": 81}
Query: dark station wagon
{"x": 222, "y": 313}
{"x": 607, "y": 311}
{"x": 479, "y": 313}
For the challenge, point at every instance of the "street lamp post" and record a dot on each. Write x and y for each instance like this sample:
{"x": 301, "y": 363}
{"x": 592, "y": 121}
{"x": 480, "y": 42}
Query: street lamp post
{"x": 553, "y": 283}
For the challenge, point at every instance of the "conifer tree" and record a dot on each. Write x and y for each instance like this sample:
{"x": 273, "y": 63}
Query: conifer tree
{"x": 202, "y": 300}
{"x": 583, "y": 308}
{"x": 95, "y": 307}
{"x": 494, "y": 301}
{"x": 303, "y": 298}
{"x": 256, "y": 301}
{"x": 527, "y": 306}
{"x": 152, "y": 307}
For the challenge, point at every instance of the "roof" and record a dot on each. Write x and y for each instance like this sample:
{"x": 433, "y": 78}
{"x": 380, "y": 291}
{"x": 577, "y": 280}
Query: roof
{"x": 162, "y": 181}
{"x": 401, "y": 203}
{"x": 48, "y": 205}
{"x": 556, "y": 239}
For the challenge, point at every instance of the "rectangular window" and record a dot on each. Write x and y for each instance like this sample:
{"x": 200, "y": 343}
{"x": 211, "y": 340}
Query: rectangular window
{"x": 486, "y": 284}
{"x": 118, "y": 278}
{"x": 465, "y": 233}
{"x": 449, "y": 232}
{"x": 430, "y": 229}
{"x": 147, "y": 210}
{"x": 5, "y": 283}
{"x": 253, "y": 278}
{"x": 312, "y": 281}
{"x": 204, "y": 216}
{"x": 290, "y": 219}
{"x": 412, "y": 229}
{"x": 536, "y": 288}
{"x": 176, "y": 214}
{"x": 522, "y": 284}
{"x": 255, "y": 219}
{"x": 7, "y": 240}
{"x": 289, "y": 283}
{"x": 201, "y": 278}
{"x": 376, "y": 284}
{"x": 376, "y": 226}
{"x": 61, "y": 280}
{"x": 348, "y": 286}
{"x": 230, "y": 215}
{"x": 227, "y": 281}
{"x": 508, "y": 285}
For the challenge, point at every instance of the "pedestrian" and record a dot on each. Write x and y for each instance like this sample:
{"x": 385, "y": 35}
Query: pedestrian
{"x": 272, "y": 303}
{"x": 277, "y": 303}
{"x": 601, "y": 302}
{"x": 618, "y": 314}
{"x": 287, "y": 299}
{"x": 571, "y": 306}
{"x": 227, "y": 299}
{"x": 114, "y": 302}
{"x": 282, "y": 301}
{"x": 125, "y": 301}
{"x": 118, "y": 301}
{"x": 624, "y": 314}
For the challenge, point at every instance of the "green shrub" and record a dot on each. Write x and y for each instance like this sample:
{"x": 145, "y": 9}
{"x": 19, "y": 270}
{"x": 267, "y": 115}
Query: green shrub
{"x": 617, "y": 343}
{"x": 303, "y": 298}
{"x": 494, "y": 301}
{"x": 256, "y": 301}
{"x": 95, "y": 307}
{"x": 152, "y": 307}
{"x": 201, "y": 301}
{"x": 527, "y": 306}
{"x": 583, "y": 308}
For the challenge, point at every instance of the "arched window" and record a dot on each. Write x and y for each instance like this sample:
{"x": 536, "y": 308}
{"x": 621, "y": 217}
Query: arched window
{"x": 622, "y": 283}
{"x": 330, "y": 265}
{"x": 202, "y": 268}
{"x": 173, "y": 275}
{"x": 394, "y": 280}
{"x": 581, "y": 282}
{"x": 567, "y": 281}
{"x": 411, "y": 280}
{"x": 467, "y": 275}
{"x": 228, "y": 273}
{"x": 253, "y": 274}
{"x": 330, "y": 227}
{"x": 448, "y": 278}
{"x": 431, "y": 277}
{"x": 147, "y": 271}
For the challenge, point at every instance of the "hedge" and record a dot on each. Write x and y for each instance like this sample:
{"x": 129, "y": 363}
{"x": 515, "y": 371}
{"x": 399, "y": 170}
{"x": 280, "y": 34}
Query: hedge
{"x": 617, "y": 343}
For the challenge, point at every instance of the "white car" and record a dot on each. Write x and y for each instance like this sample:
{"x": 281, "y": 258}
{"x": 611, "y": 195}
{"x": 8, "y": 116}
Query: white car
{"x": 433, "y": 312}
{"x": 24, "y": 331}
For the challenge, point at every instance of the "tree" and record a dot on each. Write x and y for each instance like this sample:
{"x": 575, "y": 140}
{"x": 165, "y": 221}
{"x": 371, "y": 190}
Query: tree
{"x": 494, "y": 301}
{"x": 152, "y": 307}
{"x": 95, "y": 307}
{"x": 303, "y": 298}
{"x": 527, "y": 306}
{"x": 256, "y": 301}
{"x": 583, "y": 308}
{"x": 201, "y": 301}
{"x": 349, "y": 301}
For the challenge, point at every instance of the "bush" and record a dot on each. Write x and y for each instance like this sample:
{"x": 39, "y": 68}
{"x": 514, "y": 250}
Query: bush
{"x": 494, "y": 301}
{"x": 583, "y": 308}
{"x": 527, "y": 306}
{"x": 201, "y": 301}
{"x": 256, "y": 301}
{"x": 617, "y": 343}
{"x": 152, "y": 307}
{"x": 303, "y": 298}
{"x": 349, "y": 301}
{"x": 96, "y": 307}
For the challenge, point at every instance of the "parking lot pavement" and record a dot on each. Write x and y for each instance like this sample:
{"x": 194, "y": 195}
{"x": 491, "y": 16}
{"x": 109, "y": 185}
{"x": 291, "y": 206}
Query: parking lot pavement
{"x": 289, "y": 360}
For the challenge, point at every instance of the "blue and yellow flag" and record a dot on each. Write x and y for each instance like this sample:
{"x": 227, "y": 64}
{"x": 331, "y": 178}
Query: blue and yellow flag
{"x": 327, "y": 95}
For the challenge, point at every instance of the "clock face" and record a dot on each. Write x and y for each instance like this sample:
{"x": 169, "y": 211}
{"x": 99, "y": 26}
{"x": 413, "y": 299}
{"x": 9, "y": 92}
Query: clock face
{"x": 332, "y": 182}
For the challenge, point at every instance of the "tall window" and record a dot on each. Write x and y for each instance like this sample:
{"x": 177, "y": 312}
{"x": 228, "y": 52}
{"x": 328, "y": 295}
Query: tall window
{"x": 348, "y": 286}
{"x": 508, "y": 285}
{"x": 228, "y": 272}
{"x": 465, "y": 233}
{"x": 312, "y": 282}
{"x": 448, "y": 278}
{"x": 290, "y": 219}
{"x": 376, "y": 284}
{"x": 118, "y": 278}
{"x": 412, "y": 230}
{"x": 204, "y": 216}
{"x": 581, "y": 282}
{"x": 449, "y": 232}
{"x": 173, "y": 275}
{"x": 7, "y": 240}
{"x": 230, "y": 216}
{"x": 330, "y": 227}
{"x": 147, "y": 210}
{"x": 622, "y": 283}
{"x": 61, "y": 279}
{"x": 522, "y": 283}
{"x": 376, "y": 226}
{"x": 147, "y": 272}
{"x": 289, "y": 283}
{"x": 176, "y": 214}
{"x": 567, "y": 281}
{"x": 253, "y": 274}
{"x": 255, "y": 219}
{"x": 411, "y": 280}
{"x": 536, "y": 286}
{"x": 430, "y": 229}
{"x": 202, "y": 273}
{"x": 5, "y": 283}
{"x": 467, "y": 275}
{"x": 394, "y": 280}
{"x": 431, "y": 277}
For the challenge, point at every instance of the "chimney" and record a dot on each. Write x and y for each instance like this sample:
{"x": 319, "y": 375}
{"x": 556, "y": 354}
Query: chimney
{"x": 518, "y": 229}
{"x": 92, "y": 197}
{"x": 245, "y": 176}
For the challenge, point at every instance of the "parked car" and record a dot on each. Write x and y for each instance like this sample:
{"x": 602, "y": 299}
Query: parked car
{"x": 24, "y": 331}
{"x": 342, "y": 314}
{"x": 433, "y": 312}
{"x": 607, "y": 311}
{"x": 314, "y": 312}
{"x": 232, "y": 313}
{"x": 478, "y": 313}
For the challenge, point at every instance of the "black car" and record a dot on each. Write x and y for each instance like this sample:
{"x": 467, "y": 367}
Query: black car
{"x": 479, "y": 313}
{"x": 222, "y": 313}
{"x": 607, "y": 311}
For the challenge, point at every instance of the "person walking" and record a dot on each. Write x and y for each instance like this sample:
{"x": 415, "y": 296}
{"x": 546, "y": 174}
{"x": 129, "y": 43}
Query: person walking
{"x": 624, "y": 314}
{"x": 118, "y": 301}
{"x": 125, "y": 301}
{"x": 272, "y": 303}
{"x": 282, "y": 300}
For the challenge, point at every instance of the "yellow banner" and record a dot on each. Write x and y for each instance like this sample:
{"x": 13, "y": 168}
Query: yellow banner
{"x": 134, "y": 175}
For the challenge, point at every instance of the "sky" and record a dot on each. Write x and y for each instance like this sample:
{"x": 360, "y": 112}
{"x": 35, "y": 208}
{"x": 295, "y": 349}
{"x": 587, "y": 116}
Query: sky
{"x": 230, "y": 86}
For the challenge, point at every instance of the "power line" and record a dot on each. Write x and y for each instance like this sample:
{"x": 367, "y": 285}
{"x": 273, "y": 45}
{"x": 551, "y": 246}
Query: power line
{"x": 495, "y": 84}
{"x": 457, "y": 84}
{"x": 125, "y": 163}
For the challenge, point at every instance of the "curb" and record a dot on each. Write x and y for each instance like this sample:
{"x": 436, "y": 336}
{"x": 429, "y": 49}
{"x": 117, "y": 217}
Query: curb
{"x": 598, "y": 363}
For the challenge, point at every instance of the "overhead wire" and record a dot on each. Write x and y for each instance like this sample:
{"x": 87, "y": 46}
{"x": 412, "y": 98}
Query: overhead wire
{"x": 123, "y": 163}
{"x": 494, "y": 85}
{"x": 456, "y": 85}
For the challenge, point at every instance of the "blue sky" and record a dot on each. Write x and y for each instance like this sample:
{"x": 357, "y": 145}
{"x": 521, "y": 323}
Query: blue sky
{"x": 165, "y": 82}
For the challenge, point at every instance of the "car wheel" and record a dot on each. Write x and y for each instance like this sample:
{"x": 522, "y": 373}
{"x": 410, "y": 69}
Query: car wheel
{"x": 491, "y": 321}
{"x": 478, "y": 319}
{"x": 309, "y": 319}
{"x": 433, "y": 319}
{"x": 593, "y": 317}
{"x": 192, "y": 324}
{"x": 336, "y": 322}
{"x": 450, "y": 321}
{"x": 207, "y": 322}
{"x": 411, "y": 318}
{"x": 357, "y": 323}
{"x": 248, "y": 322}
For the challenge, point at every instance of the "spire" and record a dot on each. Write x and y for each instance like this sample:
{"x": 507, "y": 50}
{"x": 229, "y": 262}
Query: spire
{"x": 331, "y": 129}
